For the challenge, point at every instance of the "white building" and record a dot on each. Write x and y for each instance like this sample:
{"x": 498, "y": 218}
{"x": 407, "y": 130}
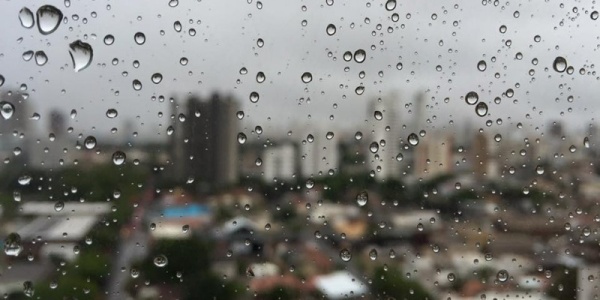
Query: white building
{"x": 279, "y": 162}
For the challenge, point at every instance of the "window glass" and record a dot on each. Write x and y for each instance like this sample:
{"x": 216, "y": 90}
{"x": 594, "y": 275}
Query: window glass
{"x": 299, "y": 150}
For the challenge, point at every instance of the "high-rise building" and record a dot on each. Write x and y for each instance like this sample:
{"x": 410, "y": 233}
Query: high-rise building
{"x": 386, "y": 129}
{"x": 319, "y": 151}
{"x": 207, "y": 140}
{"x": 434, "y": 155}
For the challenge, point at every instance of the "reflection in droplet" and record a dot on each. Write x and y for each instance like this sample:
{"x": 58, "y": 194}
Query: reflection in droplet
{"x": 160, "y": 261}
{"x": 560, "y": 64}
{"x": 12, "y": 244}
{"x": 40, "y": 58}
{"x": 374, "y": 147}
{"x": 502, "y": 275}
{"x": 26, "y": 17}
{"x": 413, "y": 139}
{"x": 48, "y": 19}
{"x": 390, "y": 5}
{"x": 241, "y": 138}
{"x": 7, "y": 109}
{"x": 81, "y": 55}
{"x": 118, "y": 158}
{"x": 90, "y": 142}
{"x": 112, "y": 113}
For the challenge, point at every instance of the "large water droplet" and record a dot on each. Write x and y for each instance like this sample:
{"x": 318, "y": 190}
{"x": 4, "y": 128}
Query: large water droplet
{"x": 28, "y": 289}
{"x": 390, "y": 5}
{"x": 306, "y": 77}
{"x": 471, "y": 98}
{"x": 241, "y": 138}
{"x": 481, "y": 109}
{"x": 594, "y": 15}
{"x": 260, "y": 77}
{"x": 254, "y": 97}
{"x": 24, "y": 180}
{"x": 59, "y": 205}
{"x": 7, "y": 109}
{"x": 118, "y": 158}
{"x": 502, "y": 275}
{"x": 48, "y": 19}
{"x": 139, "y": 38}
{"x": 12, "y": 244}
{"x": 112, "y": 113}
{"x": 374, "y": 147}
{"x": 40, "y": 58}
{"x": 413, "y": 139}
{"x": 586, "y": 142}
{"x": 26, "y": 17}
{"x": 109, "y": 39}
{"x": 360, "y": 55}
{"x": 331, "y": 29}
{"x": 81, "y": 55}
{"x": 345, "y": 255}
{"x": 27, "y": 55}
{"x": 157, "y": 78}
{"x": 160, "y": 261}
{"x": 373, "y": 254}
{"x": 362, "y": 198}
{"x": 90, "y": 142}
{"x": 481, "y": 65}
{"x": 560, "y": 64}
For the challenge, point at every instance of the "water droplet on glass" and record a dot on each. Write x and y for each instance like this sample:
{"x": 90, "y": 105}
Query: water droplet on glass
{"x": 185, "y": 228}
{"x": 502, "y": 276}
{"x": 26, "y": 17}
{"x": 6, "y": 109}
{"x": 378, "y": 115}
{"x": 481, "y": 109}
{"x": 347, "y": 56}
{"x": 390, "y": 5}
{"x": 156, "y": 78}
{"x": 310, "y": 184}
{"x": 594, "y": 15}
{"x": 539, "y": 170}
{"x": 109, "y": 39}
{"x": 260, "y": 43}
{"x": 59, "y": 205}
{"x": 134, "y": 273}
{"x": 81, "y": 55}
{"x": 373, "y": 254}
{"x": 254, "y": 97}
{"x": 139, "y": 38}
{"x": 560, "y": 64}
{"x": 362, "y": 198}
{"x": 572, "y": 149}
{"x": 360, "y": 55}
{"x": 260, "y": 77}
{"x": 112, "y": 113}
{"x": 28, "y": 289}
{"x": 48, "y": 19}
{"x": 471, "y": 98}
{"x": 413, "y": 139}
{"x": 118, "y": 158}
{"x": 306, "y": 77}
{"x": 160, "y": 261}
{"x": 241, "y": 138}
{"x": 345, "y": 255}
{"x": 374, "y": 147}
{"x": 12, "y": 244}
{"x": 330, "y": 29}
{"x": 90, "y": 142}
{"x": 24, "y": 180}
{"x": 329, "y": 135}
{"x": 40, "y": 58}
{"x": 586, "y": 142}
{"x": 481, "y": 65}
{"x": 27, "y": 55}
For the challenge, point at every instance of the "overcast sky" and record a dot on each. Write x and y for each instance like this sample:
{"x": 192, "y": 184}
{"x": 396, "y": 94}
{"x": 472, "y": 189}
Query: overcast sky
{"x": 226, "y": 40}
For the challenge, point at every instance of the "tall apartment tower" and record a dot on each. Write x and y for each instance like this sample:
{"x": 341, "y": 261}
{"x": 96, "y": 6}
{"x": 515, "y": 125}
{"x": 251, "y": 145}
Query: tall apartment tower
{"x": 386, "y": 128}
{"x": 206, "y": 147}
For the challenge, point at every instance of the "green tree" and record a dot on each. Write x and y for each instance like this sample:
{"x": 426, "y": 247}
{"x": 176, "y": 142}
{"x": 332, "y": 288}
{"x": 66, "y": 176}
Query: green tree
{"x": 392, "y": 283}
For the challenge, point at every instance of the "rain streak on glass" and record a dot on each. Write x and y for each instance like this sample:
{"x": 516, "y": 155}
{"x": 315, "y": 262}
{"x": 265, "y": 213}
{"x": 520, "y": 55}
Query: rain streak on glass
{"x": 26, "y": 17}
{"x": 345, "y": 255}
{"x": 81, "y": 55}
{"x": 48, "y": 19}
{"x": 560, "y": 64}
{"x": 362, "y": 198}
{"x": 118, "y": 158}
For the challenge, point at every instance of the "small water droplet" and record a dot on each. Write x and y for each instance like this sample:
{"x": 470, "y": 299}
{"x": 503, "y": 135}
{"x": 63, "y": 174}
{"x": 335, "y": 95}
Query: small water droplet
{"x": 241, "y": 138}
{"x": 109, "y": 39}
{"x": 48, "y": 19}
{"x": 81, "y": 55}
{"x": 260, "y": 77}
{"x": 451, "y": 277}
{"x": 59, "y": 205}
{"x": 156, "y": 78}
{"x": 502, "y": 275}
{"x": 26, "y": 17}
{"x": 112, "y": 113}
{"x": 373, "y": 254}
{"x": 27, "y": 55}
{"x": 254, "y": 97}
{"x": 560, "y": 64}
{"x": 306, "y": 77}
{"x": 118, "y": 158}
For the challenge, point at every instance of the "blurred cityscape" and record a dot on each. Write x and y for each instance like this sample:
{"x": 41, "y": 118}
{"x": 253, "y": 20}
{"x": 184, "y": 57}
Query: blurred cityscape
{"x": 393, "y": 209}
